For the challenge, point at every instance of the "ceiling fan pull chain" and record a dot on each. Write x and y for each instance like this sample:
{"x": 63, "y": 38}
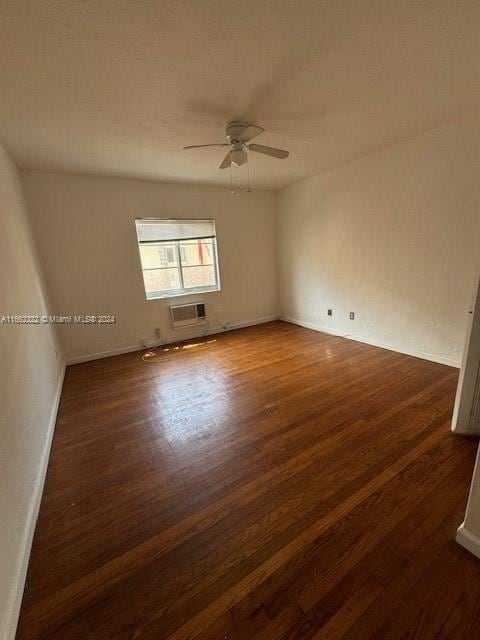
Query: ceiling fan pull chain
{"x": 248, "y": 176}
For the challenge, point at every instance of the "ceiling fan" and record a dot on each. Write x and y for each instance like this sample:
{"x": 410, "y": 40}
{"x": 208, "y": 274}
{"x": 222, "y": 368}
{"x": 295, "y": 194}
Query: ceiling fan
{"x": 238, "y": 134}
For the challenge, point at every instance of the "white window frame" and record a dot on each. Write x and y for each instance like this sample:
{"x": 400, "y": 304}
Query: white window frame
{"x": 182, "y": 291}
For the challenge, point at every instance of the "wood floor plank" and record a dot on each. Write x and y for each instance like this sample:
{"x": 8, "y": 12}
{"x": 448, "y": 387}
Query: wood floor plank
{"x": 230, "y": 597}
{"x": 295, "y": 464}
{"x": 271, "y": 482}
{"x": 425, "y": 610}
{"x": 350, "y": 612}
{"x": 143, "y": 578}
{"x": 397, "y": 561}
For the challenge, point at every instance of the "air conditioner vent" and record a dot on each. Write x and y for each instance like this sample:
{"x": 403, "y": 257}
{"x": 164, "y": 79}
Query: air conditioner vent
{"x": 187, "y": 315}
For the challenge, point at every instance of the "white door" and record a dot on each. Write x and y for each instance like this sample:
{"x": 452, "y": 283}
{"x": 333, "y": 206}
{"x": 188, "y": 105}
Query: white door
{"x": 466, "y": 414}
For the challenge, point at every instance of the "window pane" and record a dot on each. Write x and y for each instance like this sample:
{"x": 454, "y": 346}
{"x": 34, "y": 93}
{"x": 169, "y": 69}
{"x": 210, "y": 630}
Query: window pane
{"x": 158, "y": 280}
{"x": 201, "y": 276}
{"x": 154, "y": 256}
{"x": 196, "y": 252}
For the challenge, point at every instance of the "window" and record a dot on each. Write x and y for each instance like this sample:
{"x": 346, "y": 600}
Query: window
{"x": 177, "y": 256}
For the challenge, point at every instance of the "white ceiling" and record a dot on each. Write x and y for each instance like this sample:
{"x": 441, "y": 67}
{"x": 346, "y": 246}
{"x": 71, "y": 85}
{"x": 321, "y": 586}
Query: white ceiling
{"x": 119, "y": 86}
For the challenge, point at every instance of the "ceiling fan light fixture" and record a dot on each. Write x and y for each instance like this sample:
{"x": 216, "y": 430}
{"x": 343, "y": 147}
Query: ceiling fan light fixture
{"x": 238, "y": 157}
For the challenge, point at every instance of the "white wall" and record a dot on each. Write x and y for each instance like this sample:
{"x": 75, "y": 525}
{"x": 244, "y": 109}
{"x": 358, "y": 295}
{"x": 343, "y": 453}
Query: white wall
{"x": 85, "y": 230}
{"x": 31, "y": 371}
{"x": 393, "y": 237}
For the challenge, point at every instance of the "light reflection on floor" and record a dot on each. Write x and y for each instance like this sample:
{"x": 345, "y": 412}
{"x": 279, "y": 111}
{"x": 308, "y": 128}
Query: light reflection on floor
{"x": 178, "y": 410}
{"x": 191, "y": 345}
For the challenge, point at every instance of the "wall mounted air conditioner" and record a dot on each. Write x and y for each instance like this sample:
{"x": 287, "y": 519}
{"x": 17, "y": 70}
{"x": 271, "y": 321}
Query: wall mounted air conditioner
{"x": 187, "y": 315}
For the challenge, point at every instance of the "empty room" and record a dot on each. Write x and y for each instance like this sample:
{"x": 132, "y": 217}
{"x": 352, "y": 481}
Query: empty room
{"x": 239, "y": 320}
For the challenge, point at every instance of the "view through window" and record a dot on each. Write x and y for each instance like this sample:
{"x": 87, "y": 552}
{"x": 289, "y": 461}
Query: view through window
{"x": 177, "y": 256}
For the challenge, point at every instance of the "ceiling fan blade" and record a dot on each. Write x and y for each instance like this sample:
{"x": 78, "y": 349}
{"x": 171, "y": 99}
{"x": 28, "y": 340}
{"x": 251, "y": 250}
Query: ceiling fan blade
{"x": 227, "y": 161}
{"x": 269, "y": 151}
{"x": 204, "y": 146}
{"x": 251, "y": 131}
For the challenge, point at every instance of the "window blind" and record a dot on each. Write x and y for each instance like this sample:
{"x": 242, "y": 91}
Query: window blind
{"x": 165, "y": 230}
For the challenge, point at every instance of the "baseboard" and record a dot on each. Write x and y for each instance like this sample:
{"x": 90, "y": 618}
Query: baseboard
{"x": 375, "y": 343}
{"x": 9, "y": 626}
{"x": 136, "y": 347}
{"x": 468, "y": 431}
{"x": 468, "y": 540}
{"x": 249, "y": 323}
{"x": 104, "y": 354}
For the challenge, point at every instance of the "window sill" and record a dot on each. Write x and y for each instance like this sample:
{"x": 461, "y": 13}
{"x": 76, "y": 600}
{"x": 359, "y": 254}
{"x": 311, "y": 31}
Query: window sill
{"x": 181, "y": 294}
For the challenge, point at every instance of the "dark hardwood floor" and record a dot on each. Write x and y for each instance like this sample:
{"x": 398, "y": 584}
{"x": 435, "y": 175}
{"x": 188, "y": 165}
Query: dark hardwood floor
{"x": 272, "y": 483}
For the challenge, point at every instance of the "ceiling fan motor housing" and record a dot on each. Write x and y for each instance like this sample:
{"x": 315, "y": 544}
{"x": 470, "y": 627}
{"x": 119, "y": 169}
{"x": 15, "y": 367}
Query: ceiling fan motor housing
{"x": 234, "y": 131}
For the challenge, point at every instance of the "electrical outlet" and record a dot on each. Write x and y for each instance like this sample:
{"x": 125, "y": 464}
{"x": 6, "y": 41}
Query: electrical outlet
{"x": 158, "y": 333}
{"x": 352, "y": 315}
{"x": 329, "y": 312}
